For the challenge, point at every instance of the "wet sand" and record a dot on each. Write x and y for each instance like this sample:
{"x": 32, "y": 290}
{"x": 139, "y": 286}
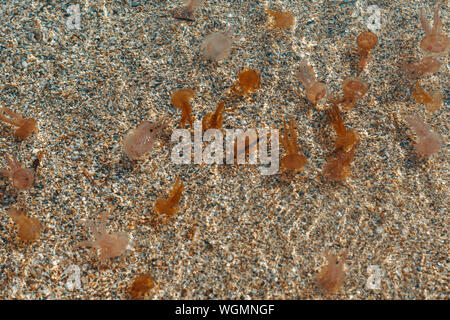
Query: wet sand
{"x": 238, "y": 235}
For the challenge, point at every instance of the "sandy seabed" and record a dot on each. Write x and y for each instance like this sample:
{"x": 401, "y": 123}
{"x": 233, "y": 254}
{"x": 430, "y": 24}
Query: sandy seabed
{"x": 238, "y": 235}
